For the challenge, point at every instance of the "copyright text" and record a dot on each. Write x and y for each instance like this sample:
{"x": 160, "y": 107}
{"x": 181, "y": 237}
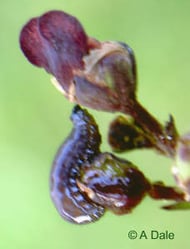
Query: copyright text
{"x": 152, "y": 234}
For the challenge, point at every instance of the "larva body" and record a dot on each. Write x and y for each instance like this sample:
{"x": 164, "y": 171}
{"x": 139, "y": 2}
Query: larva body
{"x": 79, "y": 148}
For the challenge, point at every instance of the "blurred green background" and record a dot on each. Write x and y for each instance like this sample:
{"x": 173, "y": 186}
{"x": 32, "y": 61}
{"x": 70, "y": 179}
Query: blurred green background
{"x": 34, "y": 120}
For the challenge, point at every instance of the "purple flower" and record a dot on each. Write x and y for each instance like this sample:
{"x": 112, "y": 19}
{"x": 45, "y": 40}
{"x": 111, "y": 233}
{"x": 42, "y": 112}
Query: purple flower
{"x": 57, "y": 42}
{"x": 99, "y": 75}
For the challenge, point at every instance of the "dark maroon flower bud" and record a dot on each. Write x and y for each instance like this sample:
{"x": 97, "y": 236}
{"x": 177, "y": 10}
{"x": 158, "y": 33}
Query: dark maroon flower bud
{"x": 57, "y": 42}
{"x": 125, "y": 134}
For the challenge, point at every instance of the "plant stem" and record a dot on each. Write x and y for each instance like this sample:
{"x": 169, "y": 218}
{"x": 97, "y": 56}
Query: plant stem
{"x": 150, "y": 125}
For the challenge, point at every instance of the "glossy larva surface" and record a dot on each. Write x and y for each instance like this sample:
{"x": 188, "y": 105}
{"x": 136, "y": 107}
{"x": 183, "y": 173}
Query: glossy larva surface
{"x": 79, "y": 148}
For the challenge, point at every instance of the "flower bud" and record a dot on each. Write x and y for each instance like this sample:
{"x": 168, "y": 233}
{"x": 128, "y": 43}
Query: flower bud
{"x": 57, "y": 42}
{"x": 125, "y": 134}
